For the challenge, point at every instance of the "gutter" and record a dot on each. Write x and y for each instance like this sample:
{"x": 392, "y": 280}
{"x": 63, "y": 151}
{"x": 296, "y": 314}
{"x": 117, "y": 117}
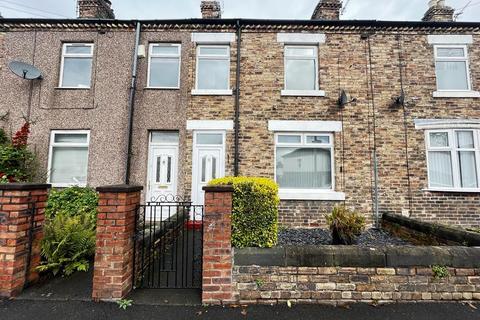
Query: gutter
{"x": 237, "y": 102}
{"x": 131, "y": 102}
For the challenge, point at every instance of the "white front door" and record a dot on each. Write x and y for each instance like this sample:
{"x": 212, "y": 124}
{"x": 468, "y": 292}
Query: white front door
{"x": 162, "y": 174}
{"x": 208, "y": 162}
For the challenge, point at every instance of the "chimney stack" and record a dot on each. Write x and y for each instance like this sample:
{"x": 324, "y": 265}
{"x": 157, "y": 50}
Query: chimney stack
{"x": 327, "y": 10}
{"x": 438, "y": 11}
{"x": 211, "y": 9}
{"x": 95, "y": 9}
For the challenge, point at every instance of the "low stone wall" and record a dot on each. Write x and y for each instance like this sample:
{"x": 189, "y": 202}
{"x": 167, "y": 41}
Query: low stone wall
{"x": 342, "y": 275}
{"x": 427, "y": 233}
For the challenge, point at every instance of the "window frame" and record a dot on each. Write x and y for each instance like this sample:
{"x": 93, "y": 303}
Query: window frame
{"x": 213, "y": 57}
{"x": 454, "y": 149}
{"x": 450, "y": 59}
{"x": 315, "y": 58}
{"x": 53, "y": 144}
{"x": 166, "y": 56}
{"x": 303, "y": 144}
{"x": 75, "y": 55}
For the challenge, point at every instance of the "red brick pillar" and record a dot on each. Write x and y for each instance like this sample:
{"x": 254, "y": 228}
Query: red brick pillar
{"x": 217, "y": 286}
{"x": 20, "y": 236}
{"x": 113, "y": 269}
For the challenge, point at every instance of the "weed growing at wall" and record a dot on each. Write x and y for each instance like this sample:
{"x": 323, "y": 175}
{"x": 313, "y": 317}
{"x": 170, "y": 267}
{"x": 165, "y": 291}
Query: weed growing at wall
{"x": 255, "y": 211}
{"x": 69, "y": 241}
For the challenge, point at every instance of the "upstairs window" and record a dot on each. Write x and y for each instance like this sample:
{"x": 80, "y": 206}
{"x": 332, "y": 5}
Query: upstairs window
{"x": 453, "y": 159}
{"x": 164, "y": 66}
{"x": 68, "y": 160}
{"x": 451, "y": 65}
{"x": 301, "y": 65}
{"x": 76, "y": 68}
{"x": 213, "y": 67}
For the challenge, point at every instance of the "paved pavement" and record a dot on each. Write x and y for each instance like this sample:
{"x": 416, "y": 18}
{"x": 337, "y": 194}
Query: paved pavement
{"x": 82, "y": 310}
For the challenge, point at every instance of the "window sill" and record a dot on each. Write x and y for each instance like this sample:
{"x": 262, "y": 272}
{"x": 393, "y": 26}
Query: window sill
{"x": 73, "y": 88}
{"x": 303, "y": 93}
{"x": 452, "y": 190}
{"x": 160, "y": 88}
{"x": 311, "y": 195}
{"x": 212, "y": 92}
{"x": 456, "y": 94}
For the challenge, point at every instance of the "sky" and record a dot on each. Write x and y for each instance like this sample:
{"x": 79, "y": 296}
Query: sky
{"x": 411, "y": 10}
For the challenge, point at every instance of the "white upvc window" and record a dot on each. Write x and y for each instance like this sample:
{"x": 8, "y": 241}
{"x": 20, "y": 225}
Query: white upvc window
{"x": 452, "y": 68}
{"x": 301, "y": 68}
{"x": 213, "y": 69}
{"x": 68, "y": 158}
{"x": 76, "y": 65}
{"x": 453, "y": 159}
{"x": 164, "y": 65}
{"x": 304, "y": 162}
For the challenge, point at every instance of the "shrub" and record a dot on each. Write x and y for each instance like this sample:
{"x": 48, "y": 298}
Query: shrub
{"x": 255, "y": 211}
{"x": 345, "y": 225}
{"x": 72, "y": 201}
{"x": 17, "y": 163}
{"x": 69, "y": 241}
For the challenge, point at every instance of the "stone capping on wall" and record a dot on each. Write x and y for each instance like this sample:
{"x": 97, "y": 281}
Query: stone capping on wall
{"x": 440, "y": 231}
{"x": 25, "y": 186}
{"x": 226, "y": 188}
{"x": 355, "y": 256}
{"x": 119, "y": 188}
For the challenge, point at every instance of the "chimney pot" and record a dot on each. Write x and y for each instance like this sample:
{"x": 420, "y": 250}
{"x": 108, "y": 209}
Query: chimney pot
{"x": 95, "y": 9}
{"x": 211, "y": 9}
{"x": 327, "y": 10}
{"x": 438, "y": 11}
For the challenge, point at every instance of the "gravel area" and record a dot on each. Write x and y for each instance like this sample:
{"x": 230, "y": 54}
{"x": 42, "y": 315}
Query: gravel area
{"x": 370, "y": 237}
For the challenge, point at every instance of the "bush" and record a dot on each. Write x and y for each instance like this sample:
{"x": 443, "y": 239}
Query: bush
{"x": 71, "y": 202}
{"x": 345, "y": 225}
{"x": 255, "y": 211}
{"x": 17, "y": 163}
{"x": 69, "y": 241}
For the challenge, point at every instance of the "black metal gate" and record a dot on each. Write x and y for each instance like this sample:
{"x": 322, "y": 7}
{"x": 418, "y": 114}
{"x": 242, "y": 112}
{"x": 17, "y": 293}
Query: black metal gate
{"x": 168, "y": 245}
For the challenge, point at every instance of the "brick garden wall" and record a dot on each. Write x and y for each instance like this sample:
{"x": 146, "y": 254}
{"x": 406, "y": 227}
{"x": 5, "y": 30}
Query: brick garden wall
{"x": 340, "y": 285}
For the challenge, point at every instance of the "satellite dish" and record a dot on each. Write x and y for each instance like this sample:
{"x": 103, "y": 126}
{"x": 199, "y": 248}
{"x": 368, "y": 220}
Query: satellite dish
{"x": 25, "y": 70}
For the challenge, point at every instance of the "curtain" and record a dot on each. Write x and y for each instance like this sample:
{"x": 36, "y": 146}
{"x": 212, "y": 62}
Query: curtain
{"x": 69, "y": 165}
{"x": 304, "y": 168}
{"x": 440, "y": 169}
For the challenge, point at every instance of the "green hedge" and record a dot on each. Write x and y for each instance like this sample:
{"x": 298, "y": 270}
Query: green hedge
{"x": 255, "y": 211}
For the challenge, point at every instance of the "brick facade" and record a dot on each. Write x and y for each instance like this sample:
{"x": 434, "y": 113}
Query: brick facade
{"x": 217, "y": 285}
{"x": 363, "y": 60}
{"x": 20, "y": 236}
{"x": 343, "y": 285}
{"x": 114, "y": 258}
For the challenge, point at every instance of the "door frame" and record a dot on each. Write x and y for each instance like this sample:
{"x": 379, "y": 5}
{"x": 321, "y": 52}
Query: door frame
{"x": 151, "y": 146}
{"x": 195, "y": 164}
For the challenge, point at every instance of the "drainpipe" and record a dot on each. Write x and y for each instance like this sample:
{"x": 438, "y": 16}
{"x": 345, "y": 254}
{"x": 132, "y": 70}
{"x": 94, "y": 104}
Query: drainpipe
{"x": 131, "y": 101}
{"x": 237, "y": 102}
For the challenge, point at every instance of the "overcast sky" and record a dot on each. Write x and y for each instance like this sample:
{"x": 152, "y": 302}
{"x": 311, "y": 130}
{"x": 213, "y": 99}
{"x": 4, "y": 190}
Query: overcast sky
{"x": 264, "y": 9}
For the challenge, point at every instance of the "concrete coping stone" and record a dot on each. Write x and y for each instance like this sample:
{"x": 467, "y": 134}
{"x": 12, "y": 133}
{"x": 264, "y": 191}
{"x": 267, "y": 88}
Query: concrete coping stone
{"x": 24, "y": 186}
{"x": 119, "y": 188}
{"x": 219, "y": 188}
{"x": 441, "y": 231}
{"x": 355, "y": 256}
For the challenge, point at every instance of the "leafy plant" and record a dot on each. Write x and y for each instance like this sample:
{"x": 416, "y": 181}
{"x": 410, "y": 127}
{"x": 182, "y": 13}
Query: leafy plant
{"x": 68, "y": 244}
{"x": 440, "y": 272}
{"x": 345, "y": 225}
{"x": 72, "y": 201}
{"x": 255, "y": 211}
{"x": 259, "y": 282}
{"x": 17, "y": 163}
{"x": 69, "y": 241}
{"x": 124, "y": 303}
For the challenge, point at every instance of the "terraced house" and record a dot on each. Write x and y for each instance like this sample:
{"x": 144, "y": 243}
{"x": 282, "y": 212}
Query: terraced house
{"x": 382, "y": 116}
